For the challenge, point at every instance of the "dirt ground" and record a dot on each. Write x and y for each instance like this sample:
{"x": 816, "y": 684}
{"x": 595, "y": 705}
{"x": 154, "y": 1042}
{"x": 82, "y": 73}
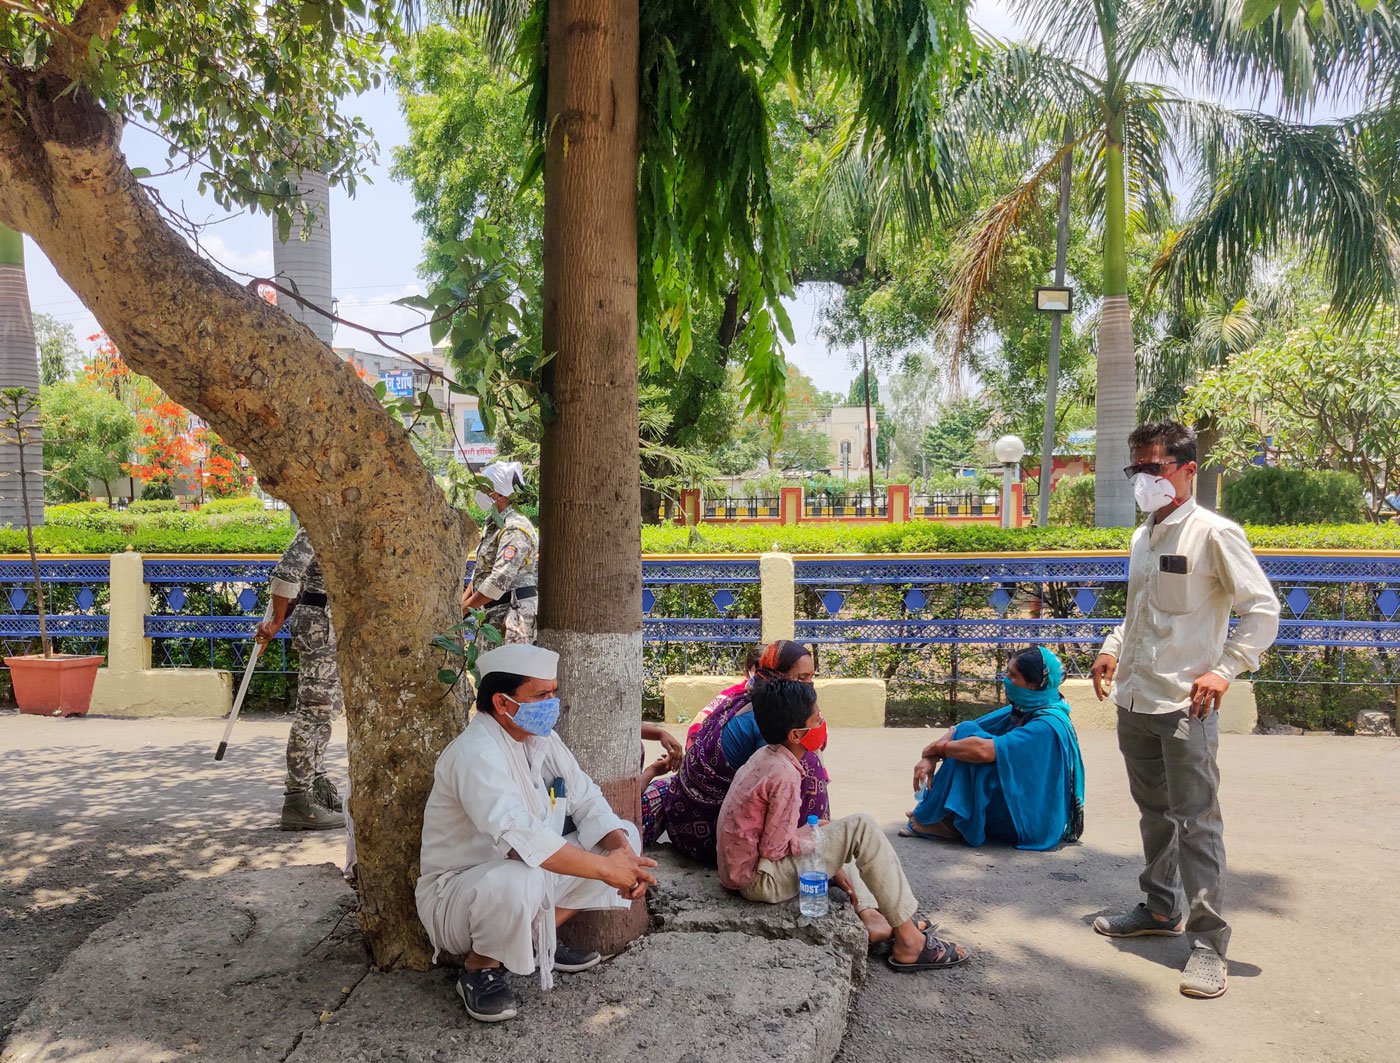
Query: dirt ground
{"x": 96, "y": 813}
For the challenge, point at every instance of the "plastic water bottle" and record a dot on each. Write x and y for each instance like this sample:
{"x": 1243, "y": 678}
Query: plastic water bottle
{"x": 811, "y": 873}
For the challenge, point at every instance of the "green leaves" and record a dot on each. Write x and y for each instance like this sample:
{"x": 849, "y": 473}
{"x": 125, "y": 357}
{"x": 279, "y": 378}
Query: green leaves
{"x": 459, "y": 646}
{"x": 1317, "y": 398}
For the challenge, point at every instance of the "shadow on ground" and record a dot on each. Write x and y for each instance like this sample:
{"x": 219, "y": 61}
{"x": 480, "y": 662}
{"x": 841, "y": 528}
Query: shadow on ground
{"x": 1028, "y": 993}
{"x": 88, "y": 831}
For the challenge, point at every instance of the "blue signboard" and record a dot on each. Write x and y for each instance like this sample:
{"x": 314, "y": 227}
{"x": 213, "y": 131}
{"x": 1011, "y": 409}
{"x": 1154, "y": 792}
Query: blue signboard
{"x": 398, "y": 384}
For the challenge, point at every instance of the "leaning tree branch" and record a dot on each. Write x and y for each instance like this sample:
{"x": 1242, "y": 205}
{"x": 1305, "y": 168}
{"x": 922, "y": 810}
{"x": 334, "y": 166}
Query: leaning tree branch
{"x": 94, "y": 20}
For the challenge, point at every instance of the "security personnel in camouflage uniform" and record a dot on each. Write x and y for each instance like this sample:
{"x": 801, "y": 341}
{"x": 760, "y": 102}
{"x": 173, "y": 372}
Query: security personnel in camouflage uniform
{"x": 312, "y": 800}
{"x": 507, "y": 560}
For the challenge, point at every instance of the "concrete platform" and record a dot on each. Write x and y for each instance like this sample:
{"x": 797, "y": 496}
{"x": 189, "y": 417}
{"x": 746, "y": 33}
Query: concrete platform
{"x": 96, "y": 814}
{"x": 270, "y": 964}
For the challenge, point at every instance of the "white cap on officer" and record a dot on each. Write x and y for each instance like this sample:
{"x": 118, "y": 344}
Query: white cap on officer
{"x": 505, "y": 476}
{"x": 519, "y": 658}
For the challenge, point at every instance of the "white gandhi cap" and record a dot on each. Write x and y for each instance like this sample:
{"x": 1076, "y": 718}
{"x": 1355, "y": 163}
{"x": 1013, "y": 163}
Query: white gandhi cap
{"x": 519, "y": 658}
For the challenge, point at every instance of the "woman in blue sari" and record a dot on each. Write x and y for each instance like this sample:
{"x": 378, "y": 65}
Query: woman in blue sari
{"x": 1014, "y": 775}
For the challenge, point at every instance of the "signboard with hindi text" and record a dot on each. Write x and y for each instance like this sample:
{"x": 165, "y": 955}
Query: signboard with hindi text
{"x": 398, "y": 383}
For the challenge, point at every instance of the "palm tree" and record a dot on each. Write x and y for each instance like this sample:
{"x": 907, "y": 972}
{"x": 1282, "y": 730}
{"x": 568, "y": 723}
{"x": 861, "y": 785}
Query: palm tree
{"x": 1130, "y": 132}
{"x": 19, "y": 367}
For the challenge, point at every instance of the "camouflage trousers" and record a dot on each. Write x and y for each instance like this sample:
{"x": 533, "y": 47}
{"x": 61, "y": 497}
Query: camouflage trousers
{"x": 319, "y": 697}
{"x": 516, "y": 623}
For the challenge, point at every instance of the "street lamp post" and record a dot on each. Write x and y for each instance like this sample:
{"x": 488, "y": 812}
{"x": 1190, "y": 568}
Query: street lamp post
{"x": 1009, "y": 450}
{"x": 1056, "y": 301}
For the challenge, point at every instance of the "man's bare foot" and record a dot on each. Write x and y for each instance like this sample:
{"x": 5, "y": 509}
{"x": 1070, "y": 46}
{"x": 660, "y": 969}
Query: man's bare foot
{"x": 876, "y": 925}
{"x": 941, "y": 830}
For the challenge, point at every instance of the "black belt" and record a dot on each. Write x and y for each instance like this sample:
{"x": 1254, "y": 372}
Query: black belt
{"x": 311, "y": 598}
{"x": 522, "y": 593}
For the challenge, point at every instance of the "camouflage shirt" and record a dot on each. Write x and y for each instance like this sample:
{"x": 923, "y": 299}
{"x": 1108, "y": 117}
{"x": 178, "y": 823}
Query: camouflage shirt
{"x": 508, "y": 557}
{"x": 298, "y": 572}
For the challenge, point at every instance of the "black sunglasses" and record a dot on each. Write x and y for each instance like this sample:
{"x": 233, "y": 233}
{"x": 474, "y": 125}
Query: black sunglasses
{"x": 1152, "y": 468}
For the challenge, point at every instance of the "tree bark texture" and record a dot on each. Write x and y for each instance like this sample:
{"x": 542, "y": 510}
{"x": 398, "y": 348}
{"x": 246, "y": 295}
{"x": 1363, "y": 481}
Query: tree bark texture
{"x": 1116, "y": 384}
{"x": 1116, "y": 412}
{"x": 19, "y": 368}
{"x": 590, "y": 534}
{"x": 392, "y": 548}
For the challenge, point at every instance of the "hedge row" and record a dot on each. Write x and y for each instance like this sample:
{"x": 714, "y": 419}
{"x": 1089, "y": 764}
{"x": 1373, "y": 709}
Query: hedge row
{"x": 80, "y": 530}
{"x": 92, "y": 528}
{"x": 935, "y": 537}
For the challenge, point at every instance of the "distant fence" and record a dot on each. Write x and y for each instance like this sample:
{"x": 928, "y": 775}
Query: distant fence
{"x": 896, "y": 503}
{"x": 936, "y": 628}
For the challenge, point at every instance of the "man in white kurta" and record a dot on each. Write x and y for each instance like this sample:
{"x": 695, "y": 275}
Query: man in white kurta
{"x": 498, "y": 871}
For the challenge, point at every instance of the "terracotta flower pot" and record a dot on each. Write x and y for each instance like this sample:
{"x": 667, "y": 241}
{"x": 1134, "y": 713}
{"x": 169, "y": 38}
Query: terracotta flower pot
{"x": 60, "y": 685}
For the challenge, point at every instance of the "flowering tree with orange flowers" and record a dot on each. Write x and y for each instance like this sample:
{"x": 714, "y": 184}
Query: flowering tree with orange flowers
{"x": 169, "y": 447}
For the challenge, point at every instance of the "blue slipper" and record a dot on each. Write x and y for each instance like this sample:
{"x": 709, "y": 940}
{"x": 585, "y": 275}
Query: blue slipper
{"x": 910, "y": 831}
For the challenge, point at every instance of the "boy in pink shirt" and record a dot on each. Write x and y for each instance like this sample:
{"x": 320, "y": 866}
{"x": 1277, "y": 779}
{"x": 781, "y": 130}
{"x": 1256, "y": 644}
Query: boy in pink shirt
{"x": 758, "y": 832}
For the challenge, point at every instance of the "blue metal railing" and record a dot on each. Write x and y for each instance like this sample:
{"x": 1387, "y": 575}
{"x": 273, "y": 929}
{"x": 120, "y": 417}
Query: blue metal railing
{"x": 916, "y": 621}
{"x": 951, "y": 620}
{"x": 75, "y": 599}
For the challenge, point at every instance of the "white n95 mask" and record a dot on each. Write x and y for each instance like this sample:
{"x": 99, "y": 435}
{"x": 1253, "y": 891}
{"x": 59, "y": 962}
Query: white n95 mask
{"x": 1151, "y": 493}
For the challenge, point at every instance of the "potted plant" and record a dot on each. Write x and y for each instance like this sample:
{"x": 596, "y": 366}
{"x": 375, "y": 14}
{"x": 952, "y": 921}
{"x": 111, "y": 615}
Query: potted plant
{"x": 46, "y": 683}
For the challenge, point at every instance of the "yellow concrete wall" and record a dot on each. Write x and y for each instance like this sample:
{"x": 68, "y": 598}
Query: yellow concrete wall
{"x": 190, "y": 692}
{"x": 844, "y": 702}
{"x": 1238, "y": 714}
{"x": 861, "y": 702}
{"x": 129, "y": 686}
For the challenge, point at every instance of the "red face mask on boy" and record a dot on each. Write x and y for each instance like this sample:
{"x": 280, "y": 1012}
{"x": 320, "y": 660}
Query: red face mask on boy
{"x": 815, "y": 738}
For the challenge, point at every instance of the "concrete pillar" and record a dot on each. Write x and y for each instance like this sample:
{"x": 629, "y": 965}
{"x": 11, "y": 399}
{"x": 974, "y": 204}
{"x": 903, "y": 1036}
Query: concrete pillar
{"x": 128, "y": 648}
{"x": 899, "y": 505}
{"x": 690, "y": 507}
{"x": 790, "y": 504}
{"x": 128, "y": 685}
{"x": 777, "y": 578}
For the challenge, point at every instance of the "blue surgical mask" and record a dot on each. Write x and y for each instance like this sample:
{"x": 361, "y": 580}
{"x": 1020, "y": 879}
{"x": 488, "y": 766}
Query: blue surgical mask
{"x": 536, "y": 717}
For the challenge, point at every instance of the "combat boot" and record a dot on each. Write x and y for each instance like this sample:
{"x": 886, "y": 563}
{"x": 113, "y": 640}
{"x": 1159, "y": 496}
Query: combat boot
{"x": 302, "y": 812}
{"x": 325, "y": 793}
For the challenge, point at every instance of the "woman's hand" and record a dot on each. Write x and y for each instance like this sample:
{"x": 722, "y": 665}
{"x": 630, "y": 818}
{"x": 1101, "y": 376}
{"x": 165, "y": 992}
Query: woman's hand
{"x": 675, "y": 752}
{"x": 923, "y": 772}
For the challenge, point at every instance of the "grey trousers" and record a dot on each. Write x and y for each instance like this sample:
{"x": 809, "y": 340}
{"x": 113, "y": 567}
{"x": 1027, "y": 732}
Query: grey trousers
{"x": 1175, "y": 781}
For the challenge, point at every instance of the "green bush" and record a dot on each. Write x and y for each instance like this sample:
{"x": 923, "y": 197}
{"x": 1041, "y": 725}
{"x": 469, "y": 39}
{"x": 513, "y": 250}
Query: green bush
{"x": 938, "y": 537}
{"x": 154, "y": 505}
{"x": 1294, "y": 496}
{"x": 92, "y": 528}
{"x": 1072, "y": 502}
{"x": 241, "y": 504}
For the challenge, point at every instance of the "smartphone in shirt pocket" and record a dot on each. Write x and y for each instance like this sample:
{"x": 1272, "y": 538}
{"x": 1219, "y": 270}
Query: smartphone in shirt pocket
{"x": 1173, "y": 583}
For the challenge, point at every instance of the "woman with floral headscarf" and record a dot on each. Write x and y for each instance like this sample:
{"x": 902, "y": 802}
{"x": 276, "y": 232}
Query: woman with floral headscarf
{"x": 1014, "y": 775}
{"x": 685, "y": 806}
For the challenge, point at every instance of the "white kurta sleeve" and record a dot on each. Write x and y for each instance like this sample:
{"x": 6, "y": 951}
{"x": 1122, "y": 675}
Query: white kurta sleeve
{"x": 491, "y": 797}
{"x": 593, "y": 816}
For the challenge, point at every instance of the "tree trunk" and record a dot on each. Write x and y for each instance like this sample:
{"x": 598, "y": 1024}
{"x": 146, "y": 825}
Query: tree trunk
{"x": 19, "y": 367}
{"x": 590, "y": 534}
{"x": 1208, "y": 479}
{"x": 652, "y": 501}
{"x": 391, "y": 547}
{"x": 1116, "y": 405}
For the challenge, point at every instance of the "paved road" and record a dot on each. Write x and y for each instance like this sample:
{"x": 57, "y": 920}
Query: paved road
{"x": 96, "y": 813}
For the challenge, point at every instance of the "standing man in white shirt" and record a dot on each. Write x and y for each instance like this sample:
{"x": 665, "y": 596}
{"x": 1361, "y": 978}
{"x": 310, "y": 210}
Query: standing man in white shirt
{"x": 1167, "y": 667}
{"x": 498, "y": 873}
